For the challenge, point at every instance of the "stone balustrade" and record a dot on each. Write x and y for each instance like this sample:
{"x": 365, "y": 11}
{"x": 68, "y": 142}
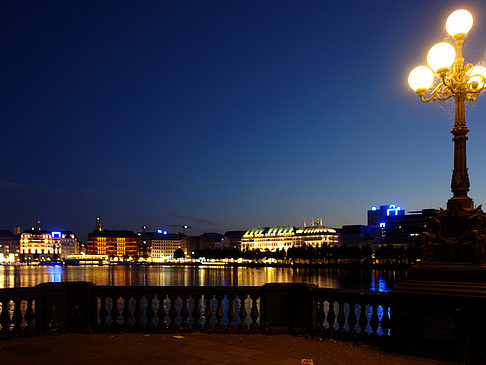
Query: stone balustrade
{"x": 447, "y": 325}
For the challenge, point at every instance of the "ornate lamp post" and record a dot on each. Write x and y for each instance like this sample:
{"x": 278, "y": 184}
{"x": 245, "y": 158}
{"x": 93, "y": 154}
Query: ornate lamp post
{"x": 458, "y": 232}
{"x": 436, "y": 308}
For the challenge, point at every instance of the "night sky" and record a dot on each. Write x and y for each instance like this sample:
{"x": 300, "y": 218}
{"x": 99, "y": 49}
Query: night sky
{"x": 224, "y": 115}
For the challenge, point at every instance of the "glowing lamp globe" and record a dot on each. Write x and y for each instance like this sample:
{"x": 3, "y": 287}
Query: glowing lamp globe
{"x": 459, "y": 22}
{"x": 475, "y": 72}
{"x": 440, "y": 56}
{"x": 420, "y": 78}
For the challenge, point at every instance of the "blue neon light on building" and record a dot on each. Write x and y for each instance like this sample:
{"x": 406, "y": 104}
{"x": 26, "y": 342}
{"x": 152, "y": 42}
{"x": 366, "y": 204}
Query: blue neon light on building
{"x": 392, "y": 208}
{"x": 56, "y": 234}
{"x": 382, "y": 225}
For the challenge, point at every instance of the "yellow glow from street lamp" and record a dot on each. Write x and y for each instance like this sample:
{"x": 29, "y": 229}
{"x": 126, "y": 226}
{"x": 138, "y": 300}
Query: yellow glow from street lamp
{"x": 441, "y": 55}
{"x": 478, "y": 70}
{"x": 420, "y": 77}
{"x": 459, "y": 22}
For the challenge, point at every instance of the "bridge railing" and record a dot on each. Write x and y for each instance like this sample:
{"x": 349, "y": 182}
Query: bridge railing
{"x": 272, "y": 308}
{"x": 176, "y": 309}
{"x": 18, "y": 312}
{"x": 351, "y": 315}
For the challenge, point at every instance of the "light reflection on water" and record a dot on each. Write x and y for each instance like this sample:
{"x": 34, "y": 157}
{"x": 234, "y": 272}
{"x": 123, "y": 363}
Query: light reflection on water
{"x": 26, "y": 276}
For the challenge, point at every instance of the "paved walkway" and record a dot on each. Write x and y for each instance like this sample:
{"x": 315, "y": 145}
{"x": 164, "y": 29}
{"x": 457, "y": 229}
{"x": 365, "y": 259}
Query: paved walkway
{"x": 194, "y": 348}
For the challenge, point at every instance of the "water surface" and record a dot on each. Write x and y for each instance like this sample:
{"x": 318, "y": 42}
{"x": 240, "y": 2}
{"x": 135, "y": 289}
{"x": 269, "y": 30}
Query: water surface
{"x": 365, "y": 279}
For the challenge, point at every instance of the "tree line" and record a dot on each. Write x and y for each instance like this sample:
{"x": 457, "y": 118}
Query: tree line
{"x": 386, "y": 254}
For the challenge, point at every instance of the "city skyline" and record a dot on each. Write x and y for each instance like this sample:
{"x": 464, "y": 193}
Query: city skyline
{"x": 224, "y": 115}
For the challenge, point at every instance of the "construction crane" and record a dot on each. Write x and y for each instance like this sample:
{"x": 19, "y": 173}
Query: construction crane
{"x": 184, "y": 227}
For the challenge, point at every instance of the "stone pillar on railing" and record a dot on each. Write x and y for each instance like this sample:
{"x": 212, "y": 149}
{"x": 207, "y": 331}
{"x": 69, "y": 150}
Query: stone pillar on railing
{"x": 65, "y": 307}
{"x": 287, "y": 308}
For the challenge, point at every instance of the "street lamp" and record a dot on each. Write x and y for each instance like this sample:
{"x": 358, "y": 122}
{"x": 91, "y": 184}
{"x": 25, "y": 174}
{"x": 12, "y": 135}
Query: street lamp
{"x": 455, "y": 79}
{"x": 461, "y": 224}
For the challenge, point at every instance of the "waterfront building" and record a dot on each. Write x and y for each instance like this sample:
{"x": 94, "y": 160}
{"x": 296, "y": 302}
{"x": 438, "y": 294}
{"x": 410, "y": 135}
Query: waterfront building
{"x": 189, "y": 244}
{"x": 164, "y": 246}
{"x": 40, "y": 243}
{"x": 315, "y": 236}
{"x": 9, "y": 245}
{"x": 284, "y": 237}
{"x": 208, "y": 240}
{"x": 231, "y": 239}
{"x": 114, "y": 243}
{"x": 268, "y": 238}
{"x": 390, "y": 225}
{"x": 67, "y": 241}
{"x": 355, "y": 235}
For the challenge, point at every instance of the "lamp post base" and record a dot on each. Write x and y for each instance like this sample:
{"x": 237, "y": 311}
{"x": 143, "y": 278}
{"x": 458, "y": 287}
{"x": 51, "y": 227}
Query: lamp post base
{"x": 457, "y": 235}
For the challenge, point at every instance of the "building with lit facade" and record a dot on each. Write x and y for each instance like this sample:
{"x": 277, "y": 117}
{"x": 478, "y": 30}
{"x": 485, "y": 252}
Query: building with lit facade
{"x": 121, "y": 244}
{"x": 284, "y": 237}
{"x": 315, "y": 236}
{"x": 39, "y": 242}
{"x": 164, "y": 246}
{"x": 9, "y": 245}
{"x": 67, "y": 241}
{"x": 390, "y": 225}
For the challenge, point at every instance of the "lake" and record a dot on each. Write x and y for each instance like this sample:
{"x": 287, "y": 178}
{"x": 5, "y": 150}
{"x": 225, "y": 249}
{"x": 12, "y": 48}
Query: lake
{"x": 155, "y": 275}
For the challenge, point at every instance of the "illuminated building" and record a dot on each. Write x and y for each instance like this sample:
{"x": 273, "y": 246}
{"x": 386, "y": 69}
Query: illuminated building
{"x": 268, "y": 238}
{"x": 67, "y": 241}
{"x": 39, "y": 242}
{"x": 9, "y": 245}
{"x": 315, "y": 236}
{"x": 390, "y": 225}
{"x": 164, "y": 246}
{"x": 121, "y": 244}
{"x": 284, "y": 237}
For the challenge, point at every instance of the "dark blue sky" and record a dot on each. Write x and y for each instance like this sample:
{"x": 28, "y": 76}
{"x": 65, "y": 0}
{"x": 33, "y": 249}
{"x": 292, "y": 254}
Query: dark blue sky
{"x": 224, "y": 114}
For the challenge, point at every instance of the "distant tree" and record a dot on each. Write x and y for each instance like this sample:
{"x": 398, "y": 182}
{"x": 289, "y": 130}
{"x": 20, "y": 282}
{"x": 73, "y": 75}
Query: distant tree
{"x": 179, "y": 254}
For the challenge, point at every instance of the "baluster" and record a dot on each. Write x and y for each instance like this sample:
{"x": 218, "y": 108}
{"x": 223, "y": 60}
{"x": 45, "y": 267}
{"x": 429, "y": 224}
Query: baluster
{"x": 161, "y": 313}
{"x": 29, "y": 316}
{"x": 150, "y": 311}
{"x": 254, "y": 311}
{"x": 341, "y": 319}
{"x": 126, "y": 314}
{"x": 138, "y": 312}
{"x": 115, "y": 313}
{"x": 321, "y": 317}
{"x": 208, "y": 313}
{"x": 185, "y": 312}
{"x": 196, "y": 312}
{"x": 219, "y": 312}
{"x": 374, "y": 321}
{"x": 5, "y": 318}
{"x": 173, "y": 312}
{"x": 352, "y": 319}
{"x": 103, "y": 313}
{"x": 17, "y": 316}
{"x": 231, "y": 312}
{"x": 243, "y": 313}
{"x": 331, "y": 318}
{"x": 385, "y": 320}
{"x": 363, "y": 320}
